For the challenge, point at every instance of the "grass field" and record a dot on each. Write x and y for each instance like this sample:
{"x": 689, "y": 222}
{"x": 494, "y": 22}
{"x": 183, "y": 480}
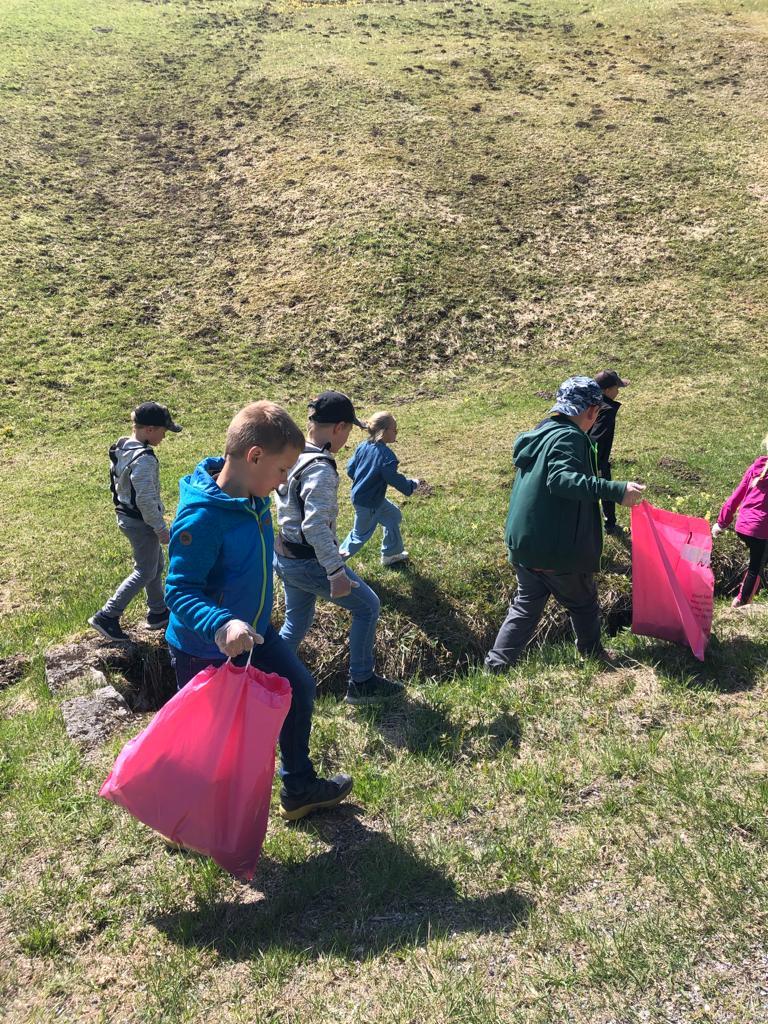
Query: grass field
{"x": 444, "y": 208}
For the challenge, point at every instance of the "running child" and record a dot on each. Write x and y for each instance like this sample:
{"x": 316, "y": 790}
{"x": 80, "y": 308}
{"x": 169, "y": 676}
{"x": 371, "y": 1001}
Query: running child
{"x": 373, "y": 468}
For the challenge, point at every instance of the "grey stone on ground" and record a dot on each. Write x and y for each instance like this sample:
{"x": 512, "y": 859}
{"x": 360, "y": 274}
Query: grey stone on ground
{"x": 12, "y": 669}
{"x": 90, "y": 720}
{"x": 71, "y": 661}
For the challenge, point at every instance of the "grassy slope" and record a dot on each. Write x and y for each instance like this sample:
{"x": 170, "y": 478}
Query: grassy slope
{"x": 445, "y": 208}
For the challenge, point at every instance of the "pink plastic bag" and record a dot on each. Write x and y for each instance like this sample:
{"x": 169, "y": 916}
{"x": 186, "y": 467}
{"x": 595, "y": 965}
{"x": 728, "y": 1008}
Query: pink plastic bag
{"x": 201, "y": 772}
{"x": 672, "y": 583}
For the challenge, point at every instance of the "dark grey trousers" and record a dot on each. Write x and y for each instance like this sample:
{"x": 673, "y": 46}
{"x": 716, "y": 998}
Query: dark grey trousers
{"x": 147, "y": 569}
{"x": 576, "y": 592}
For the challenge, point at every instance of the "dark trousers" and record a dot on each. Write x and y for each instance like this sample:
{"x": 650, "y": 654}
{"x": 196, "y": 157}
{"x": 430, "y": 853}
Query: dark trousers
{"x": 758, "y": 549}
{"x": 609, "y": 507}
{"x": 576, "y": 592}
{"x": 274, "y": 655}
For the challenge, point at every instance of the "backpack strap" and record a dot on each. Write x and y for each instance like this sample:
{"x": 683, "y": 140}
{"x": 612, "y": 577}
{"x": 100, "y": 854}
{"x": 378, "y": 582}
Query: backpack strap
{"x": 296, "y": 478}
{"x": 127, "y": 510}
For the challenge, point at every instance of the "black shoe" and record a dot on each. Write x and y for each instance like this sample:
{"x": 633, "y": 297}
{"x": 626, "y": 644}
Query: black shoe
{"x": 373, "y": 690}
{"x": 605, "y": 656}
{"x": 321, "y": 794}
{"x": 158, "y": 620}
{"x": 109, "y": 627}
{"x": 614, "y": 530}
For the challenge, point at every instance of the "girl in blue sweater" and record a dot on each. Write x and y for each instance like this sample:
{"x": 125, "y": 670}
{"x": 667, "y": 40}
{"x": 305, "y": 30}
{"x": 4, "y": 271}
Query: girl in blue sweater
{"x": 373, "y": 467}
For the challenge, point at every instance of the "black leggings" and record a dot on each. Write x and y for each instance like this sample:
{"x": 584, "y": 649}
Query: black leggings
{"x": 757, "y": 551}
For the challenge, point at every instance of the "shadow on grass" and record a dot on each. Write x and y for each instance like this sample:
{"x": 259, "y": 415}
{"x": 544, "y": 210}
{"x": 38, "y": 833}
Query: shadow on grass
{"x": 423, "y": 727}
{"x": 363, "y": 896}
{"x": 731, "y": 666}
{"x": 465, "y": 641}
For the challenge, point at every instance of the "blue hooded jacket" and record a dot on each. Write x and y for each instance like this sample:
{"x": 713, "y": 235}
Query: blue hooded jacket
{"x": 220, "y": 562}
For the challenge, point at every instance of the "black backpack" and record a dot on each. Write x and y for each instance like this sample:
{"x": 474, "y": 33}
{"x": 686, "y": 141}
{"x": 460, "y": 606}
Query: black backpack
{"x": 127, "y": 510}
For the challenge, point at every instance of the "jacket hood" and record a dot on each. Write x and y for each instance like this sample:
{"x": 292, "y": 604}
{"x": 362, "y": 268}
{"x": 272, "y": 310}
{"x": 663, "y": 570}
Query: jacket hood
{"x": 529, "y": 445}
{"x": 127, "y": 450}
{"x": 199, "y": 489}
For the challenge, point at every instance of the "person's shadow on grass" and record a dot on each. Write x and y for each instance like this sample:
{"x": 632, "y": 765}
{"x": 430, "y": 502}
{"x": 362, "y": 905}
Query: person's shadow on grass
{"x": 363, "y": 896}
{"x": 435, "y": 615}
{"x": 422, "y": 726}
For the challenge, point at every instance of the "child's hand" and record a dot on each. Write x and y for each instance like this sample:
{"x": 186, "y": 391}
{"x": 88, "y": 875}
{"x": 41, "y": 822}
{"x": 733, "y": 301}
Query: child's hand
{"x": 341, "y": 584}
{"x": 164, "y": 535}
{"x": 633, "y": 494}
{"x": 422, "y": 487}
{"x": 716, "y": 531}
{"x": 235, "y": 637}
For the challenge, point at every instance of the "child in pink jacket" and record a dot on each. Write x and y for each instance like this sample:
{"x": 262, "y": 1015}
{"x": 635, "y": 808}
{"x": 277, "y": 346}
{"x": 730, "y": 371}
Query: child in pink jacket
{"x": 751, "y": 500}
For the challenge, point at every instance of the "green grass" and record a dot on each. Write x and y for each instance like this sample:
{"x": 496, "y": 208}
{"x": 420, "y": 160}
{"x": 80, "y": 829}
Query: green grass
{"x": 445, "y": 208}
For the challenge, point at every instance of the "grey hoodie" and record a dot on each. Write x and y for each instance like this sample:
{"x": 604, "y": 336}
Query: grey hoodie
{"x": 316, "y": 492}
{"x": 142, "y": 472}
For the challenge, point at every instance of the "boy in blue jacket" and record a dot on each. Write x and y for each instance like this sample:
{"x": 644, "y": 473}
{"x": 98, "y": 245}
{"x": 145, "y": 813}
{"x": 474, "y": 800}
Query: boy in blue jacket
{"x": 219, "y": 584}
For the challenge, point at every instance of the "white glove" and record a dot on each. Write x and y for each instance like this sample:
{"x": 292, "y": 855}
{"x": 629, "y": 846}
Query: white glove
{"x": 341, "y": 584}
{"x": 716, "y": 531}
{"x": 235, "y": 637}
{"x": 164, "y": 535}
{"x": 633, "y": 494}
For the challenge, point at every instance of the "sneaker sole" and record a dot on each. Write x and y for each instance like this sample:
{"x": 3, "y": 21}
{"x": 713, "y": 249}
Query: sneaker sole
{"x": 302, "y": 812}
{"x": 396, "y": 561}
{"x": 108, "y": 636}
{"x": 154, "y": 626}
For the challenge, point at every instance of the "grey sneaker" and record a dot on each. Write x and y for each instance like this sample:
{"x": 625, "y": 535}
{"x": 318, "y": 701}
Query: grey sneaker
{"x": 321, "y": 794}
{"x": 374, "y": 690}
{"x": 394, "y": 559}
{"x": 109, "y": 627}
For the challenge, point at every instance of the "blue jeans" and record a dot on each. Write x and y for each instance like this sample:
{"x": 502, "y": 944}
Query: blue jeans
{"x": 367, "y": 519}
{"x": 304, "y": 581}
{"x": 274, "y": 655}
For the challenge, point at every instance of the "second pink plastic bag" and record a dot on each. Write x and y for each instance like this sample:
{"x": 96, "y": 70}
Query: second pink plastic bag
{"x": 201, "y": 772}
{"x": 672, "y": 583}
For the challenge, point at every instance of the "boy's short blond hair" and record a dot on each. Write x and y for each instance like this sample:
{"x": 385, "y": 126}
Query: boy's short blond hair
{"x": 264, "y": 424}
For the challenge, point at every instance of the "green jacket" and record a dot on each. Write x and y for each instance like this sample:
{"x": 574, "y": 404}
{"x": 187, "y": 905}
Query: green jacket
{"x": 554, "y": 519}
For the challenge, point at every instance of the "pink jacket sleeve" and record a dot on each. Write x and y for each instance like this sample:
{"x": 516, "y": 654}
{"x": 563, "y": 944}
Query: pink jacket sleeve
{"x": 730, "y": 507}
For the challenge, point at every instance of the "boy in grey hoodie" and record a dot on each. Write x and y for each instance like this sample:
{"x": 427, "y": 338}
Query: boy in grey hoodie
{"x": 307, "y": 557}
{"x": 134, "y": 477}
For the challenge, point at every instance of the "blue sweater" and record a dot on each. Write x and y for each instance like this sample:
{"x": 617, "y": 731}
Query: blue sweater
{"x": 372, "y": 467}
{"x": 220, "y": 562}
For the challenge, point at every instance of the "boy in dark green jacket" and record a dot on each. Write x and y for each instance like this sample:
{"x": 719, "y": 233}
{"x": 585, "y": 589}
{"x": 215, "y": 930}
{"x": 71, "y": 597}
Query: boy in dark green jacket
{"x": 554, "y": 531}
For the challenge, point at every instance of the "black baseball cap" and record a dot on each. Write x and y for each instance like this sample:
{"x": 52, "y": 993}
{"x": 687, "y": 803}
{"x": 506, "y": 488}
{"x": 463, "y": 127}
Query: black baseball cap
{"x": 152, "y": 414}
{"x": 610, "y": 379}
{"x": 333, "y": 407}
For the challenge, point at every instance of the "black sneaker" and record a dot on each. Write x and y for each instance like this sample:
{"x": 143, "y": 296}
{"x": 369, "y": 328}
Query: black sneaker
{"x": 374, "y": 690}
{"x": 109, "y": 627}
{"x": 158, "y": 620}
{"x": 605, "y": 656}
{"x": 321, "y": 794}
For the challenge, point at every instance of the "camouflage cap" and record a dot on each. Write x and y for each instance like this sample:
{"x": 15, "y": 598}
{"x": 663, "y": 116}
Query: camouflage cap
{"x": 576, "y": 395}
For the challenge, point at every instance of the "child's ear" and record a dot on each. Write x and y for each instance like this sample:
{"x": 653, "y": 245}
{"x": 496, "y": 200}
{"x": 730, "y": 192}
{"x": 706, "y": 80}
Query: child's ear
{"x": 254, "y": 454}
